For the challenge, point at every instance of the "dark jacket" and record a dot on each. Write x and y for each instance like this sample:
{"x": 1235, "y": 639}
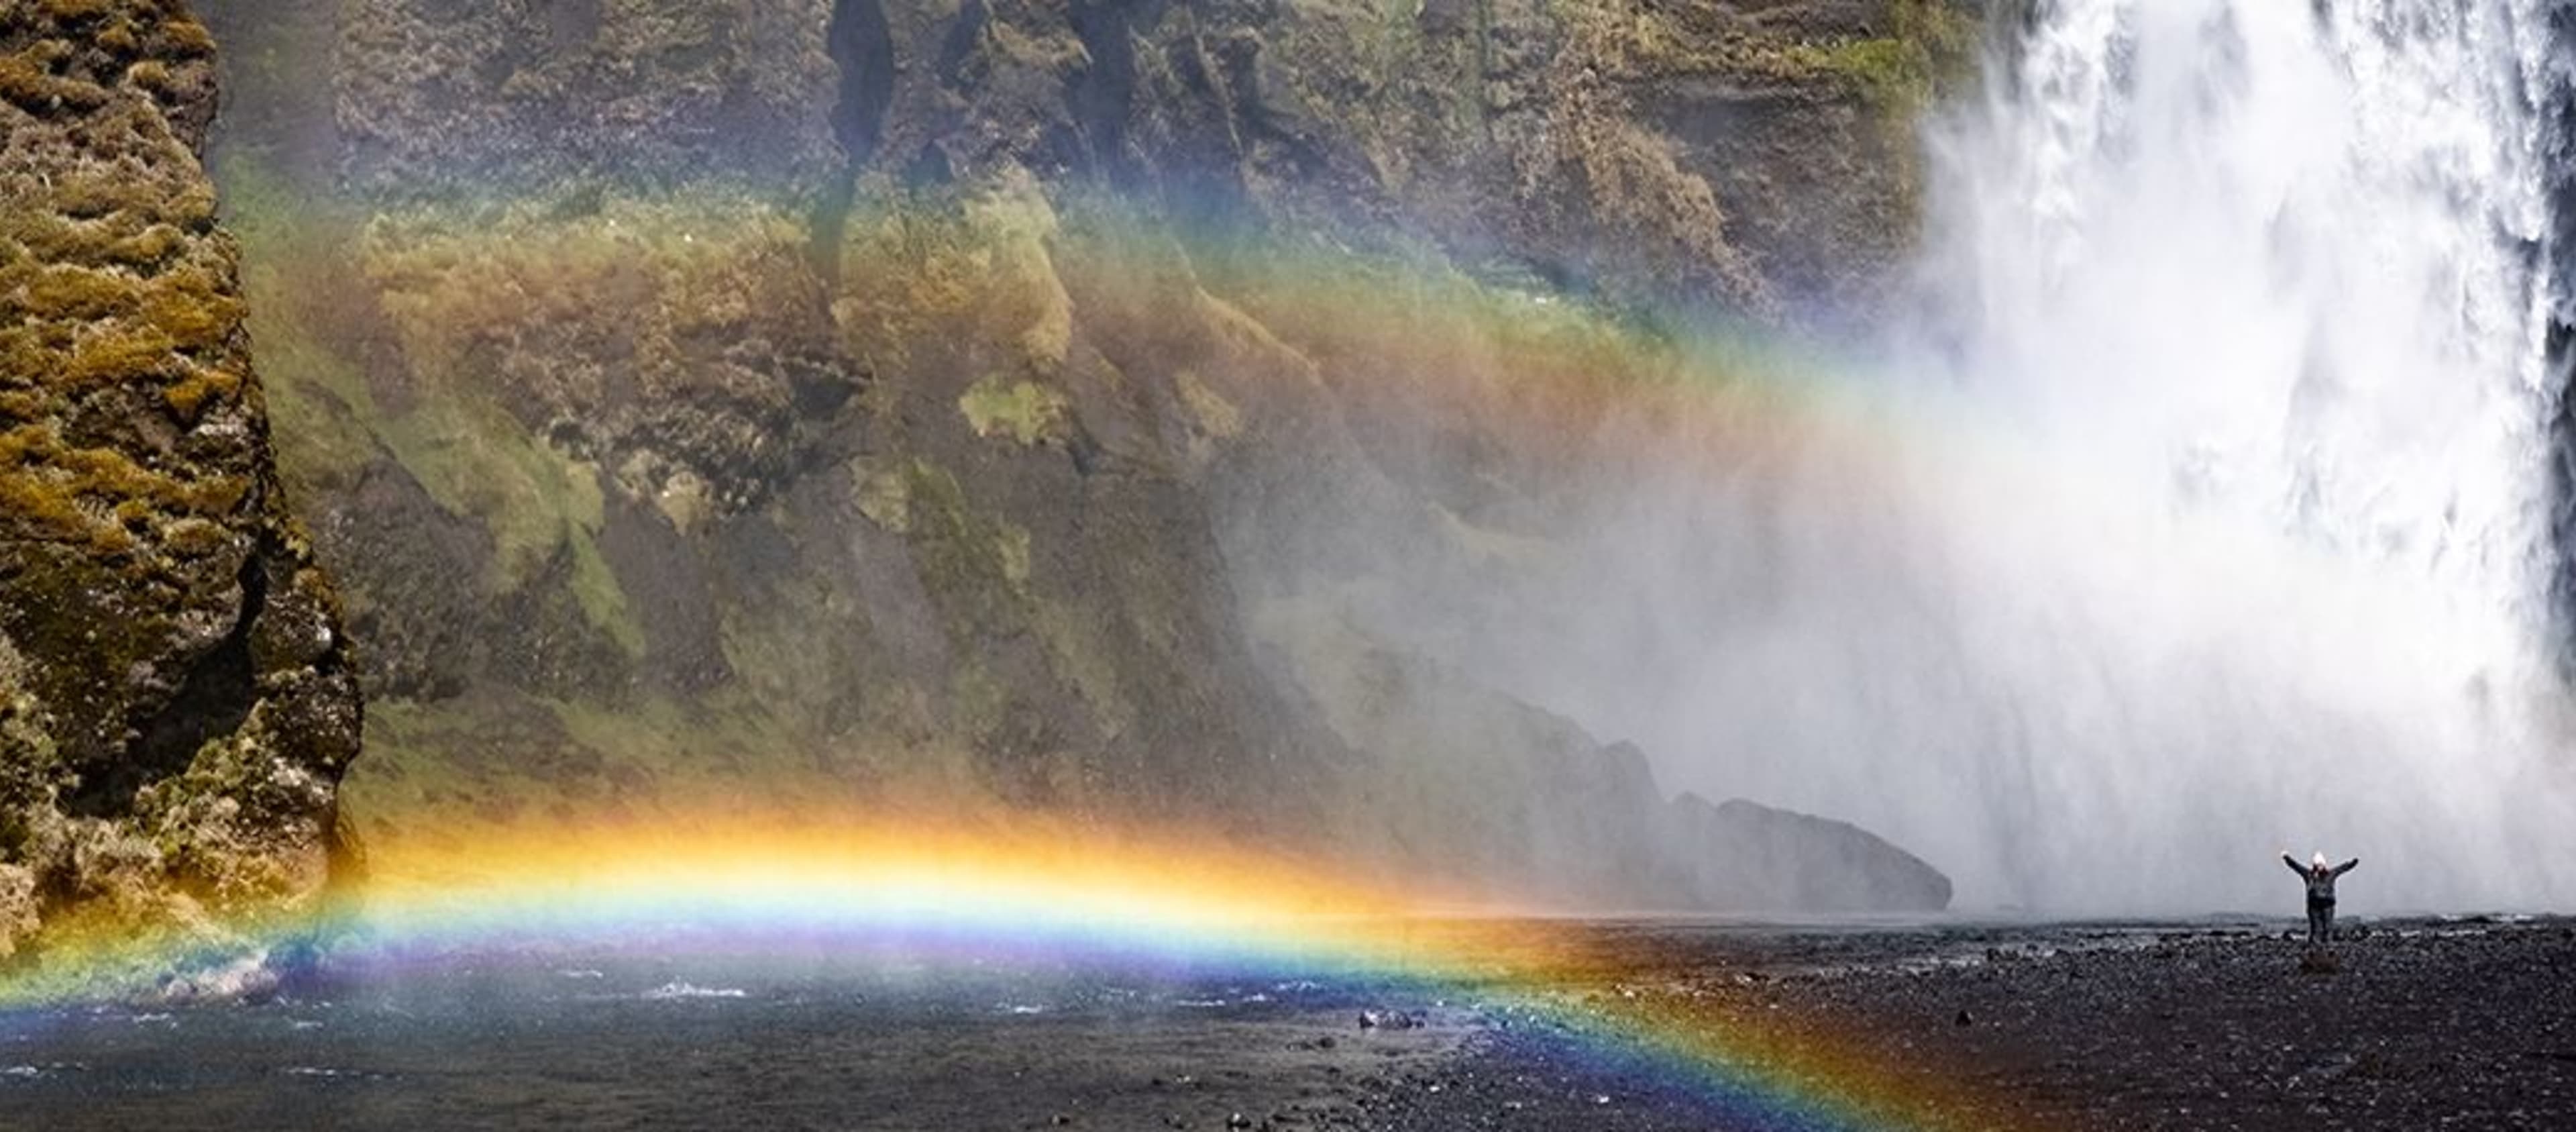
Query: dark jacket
{"x": 2320, "y": 879}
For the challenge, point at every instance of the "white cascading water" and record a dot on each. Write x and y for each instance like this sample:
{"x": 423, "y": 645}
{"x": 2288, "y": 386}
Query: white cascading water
{"x": 2281, "y": 255}
{"x": 2255, "y": 290}
{"x": 2211, "y": 523}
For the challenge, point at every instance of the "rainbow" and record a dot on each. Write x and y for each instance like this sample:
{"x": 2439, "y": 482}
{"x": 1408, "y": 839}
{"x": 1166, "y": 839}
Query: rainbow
{"x": 1045, "y": 895}
{"x": 1561, "y": 380}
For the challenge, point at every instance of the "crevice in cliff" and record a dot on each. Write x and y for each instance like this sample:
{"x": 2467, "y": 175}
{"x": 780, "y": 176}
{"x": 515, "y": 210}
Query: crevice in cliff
{"x": 212, "y": 702}
{"x": 1104, "y": 91}
{"x": 957, "y": 45}
{"x": 862, "y": 46}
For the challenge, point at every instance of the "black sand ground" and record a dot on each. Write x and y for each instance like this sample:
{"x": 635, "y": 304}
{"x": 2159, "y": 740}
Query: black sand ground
{"x": 2423, "y": 1024}
{"x": 2414, "y": 1024}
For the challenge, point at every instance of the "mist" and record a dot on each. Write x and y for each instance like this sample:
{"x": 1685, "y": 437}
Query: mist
{"x": 2196, "y": 509}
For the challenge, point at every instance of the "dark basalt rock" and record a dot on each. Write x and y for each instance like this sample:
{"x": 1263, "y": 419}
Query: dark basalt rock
{"x": 176, "y": 702}
{"x": 1743, "y": 855}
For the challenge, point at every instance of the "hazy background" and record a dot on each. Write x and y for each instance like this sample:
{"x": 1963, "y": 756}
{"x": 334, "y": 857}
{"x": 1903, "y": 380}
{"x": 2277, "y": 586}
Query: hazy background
{"x": 1212, "y": 415}
{"x": 2199, "y": 514}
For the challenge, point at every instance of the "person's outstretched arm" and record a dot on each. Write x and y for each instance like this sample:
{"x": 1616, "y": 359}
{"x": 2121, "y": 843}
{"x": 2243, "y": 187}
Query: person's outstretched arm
{"x": 2346, "y": 866}
{"x": 2294, "y": 864}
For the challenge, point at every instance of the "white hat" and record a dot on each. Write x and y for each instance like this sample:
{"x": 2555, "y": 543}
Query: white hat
{"x": 2319, "y": 860}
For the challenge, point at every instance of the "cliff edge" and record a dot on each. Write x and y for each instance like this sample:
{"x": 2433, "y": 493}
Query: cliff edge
{"x": 176, "y": 698}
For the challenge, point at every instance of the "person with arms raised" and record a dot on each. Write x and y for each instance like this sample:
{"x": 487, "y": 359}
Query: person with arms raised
{"x": 2321, "y": 892}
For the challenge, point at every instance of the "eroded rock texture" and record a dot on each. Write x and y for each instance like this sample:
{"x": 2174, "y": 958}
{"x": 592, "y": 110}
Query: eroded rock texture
{"x": 963, "y": 402}
{"x": 176, "y": 702}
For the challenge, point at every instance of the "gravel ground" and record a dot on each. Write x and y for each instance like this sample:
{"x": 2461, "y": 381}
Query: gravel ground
{"x": 2411, "y": 1024}
{"x": 2415, "y": 1025}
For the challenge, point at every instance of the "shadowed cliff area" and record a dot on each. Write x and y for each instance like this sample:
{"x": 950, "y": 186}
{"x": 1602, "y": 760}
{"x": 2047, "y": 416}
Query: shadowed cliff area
{"x": 975, "y": 407}
{"x": 176, "y": 699}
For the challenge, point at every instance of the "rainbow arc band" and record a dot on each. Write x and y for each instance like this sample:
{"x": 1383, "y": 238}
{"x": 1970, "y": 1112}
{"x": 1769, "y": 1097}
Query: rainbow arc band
{"x": 1053, "y": 896}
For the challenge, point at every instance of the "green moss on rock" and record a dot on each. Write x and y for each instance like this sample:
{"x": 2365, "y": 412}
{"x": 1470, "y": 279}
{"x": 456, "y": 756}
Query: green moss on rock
{"x": 175, "y": 705}
{"x": 1023, "y": 412}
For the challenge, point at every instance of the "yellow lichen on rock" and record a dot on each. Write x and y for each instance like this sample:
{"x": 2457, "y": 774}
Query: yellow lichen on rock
{"x": 1016, "y": 222}
{"x": 1024, "y": 412}
{"x": 156, "y": 601}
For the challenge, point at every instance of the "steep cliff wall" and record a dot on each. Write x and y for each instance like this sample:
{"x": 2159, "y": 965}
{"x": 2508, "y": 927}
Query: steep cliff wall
{"x": 710, "y": 405}
{"x": 176, "y": 700}
{"x": 1756, "y": 157}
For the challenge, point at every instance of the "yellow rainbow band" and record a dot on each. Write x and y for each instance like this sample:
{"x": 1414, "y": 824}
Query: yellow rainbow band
{"x": 1051, "y": 893}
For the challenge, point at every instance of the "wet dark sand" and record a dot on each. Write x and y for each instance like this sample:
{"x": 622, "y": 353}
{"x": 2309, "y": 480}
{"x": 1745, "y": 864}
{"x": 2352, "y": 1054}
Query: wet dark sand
{"x": 2419, "y": 1024}
{"x": 2424, "y": 1025}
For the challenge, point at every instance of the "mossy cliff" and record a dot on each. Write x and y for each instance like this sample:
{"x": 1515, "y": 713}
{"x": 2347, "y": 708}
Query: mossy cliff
{"x": 854, "y": 403}
{"x": 176, "y": 698}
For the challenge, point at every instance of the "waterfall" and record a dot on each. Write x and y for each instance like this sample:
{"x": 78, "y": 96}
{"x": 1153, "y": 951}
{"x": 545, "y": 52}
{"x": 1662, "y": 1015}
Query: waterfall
{"x": 2207, "y": 505}
{"x": 2287, "y": 257}
{"x": 2265, "y": 289}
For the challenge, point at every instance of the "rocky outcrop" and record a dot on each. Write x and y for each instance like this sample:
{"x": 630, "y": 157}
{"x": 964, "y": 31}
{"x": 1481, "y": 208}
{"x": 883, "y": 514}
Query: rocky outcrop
{"x": 1505, "y": 800}
{"x": 1476, "y": 786}
{"x": 865, "y": 400}
{"x": 176, "y": 699}
{"x": 1747, "y": 856}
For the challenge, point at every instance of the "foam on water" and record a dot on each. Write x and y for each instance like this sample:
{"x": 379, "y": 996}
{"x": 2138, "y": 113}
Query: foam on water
{"x": 672, "y": 991}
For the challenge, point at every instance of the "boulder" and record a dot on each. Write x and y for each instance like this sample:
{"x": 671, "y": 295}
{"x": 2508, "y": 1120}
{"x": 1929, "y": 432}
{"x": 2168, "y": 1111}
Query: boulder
{"x": 1744, "y": 856}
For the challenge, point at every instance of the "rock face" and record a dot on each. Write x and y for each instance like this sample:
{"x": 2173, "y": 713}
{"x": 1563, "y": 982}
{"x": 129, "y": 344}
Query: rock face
{"x": 1742, "y": 855}
{"x": 176, "y": 700}
{"x": 915, "y": 402}
{"x": 1475, "y": 779}
{"x": 1578, "y": 823}
{"x": 1754, "y": 156}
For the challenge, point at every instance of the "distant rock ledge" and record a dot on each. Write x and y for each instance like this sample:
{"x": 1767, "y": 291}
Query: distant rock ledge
{"x": 1528, "y": 805}
{"x": 1747, "y": 856}
{"x": 176, "y": 699}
